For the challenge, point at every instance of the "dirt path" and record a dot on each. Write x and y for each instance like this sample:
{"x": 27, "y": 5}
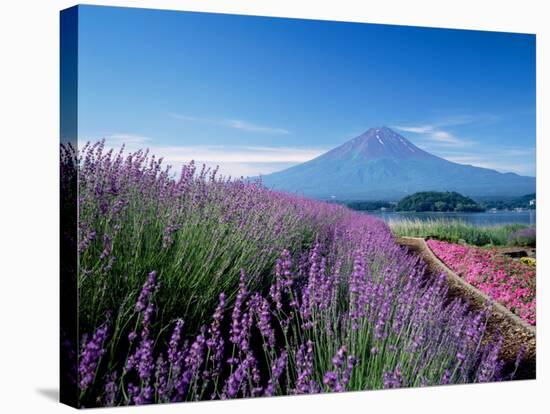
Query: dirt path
{"x": 516, "y": 332}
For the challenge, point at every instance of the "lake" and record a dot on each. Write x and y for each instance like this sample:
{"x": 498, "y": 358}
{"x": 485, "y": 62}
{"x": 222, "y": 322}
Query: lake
{"x": 478, "y": 219}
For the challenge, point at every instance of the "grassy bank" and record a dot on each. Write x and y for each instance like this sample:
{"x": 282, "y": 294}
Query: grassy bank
{"x": 456, "y": 230}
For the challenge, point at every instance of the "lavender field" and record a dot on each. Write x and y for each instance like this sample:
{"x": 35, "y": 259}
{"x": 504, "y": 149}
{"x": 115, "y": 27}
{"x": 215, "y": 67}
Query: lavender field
{"x": 194, "y": 286}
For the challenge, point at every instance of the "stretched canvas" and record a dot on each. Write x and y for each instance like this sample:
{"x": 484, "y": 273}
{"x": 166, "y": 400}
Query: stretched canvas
{"x": 256, "y": 207}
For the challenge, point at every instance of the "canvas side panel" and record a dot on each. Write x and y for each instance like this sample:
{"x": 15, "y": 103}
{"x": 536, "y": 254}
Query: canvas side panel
{"x": 68, "y": 206}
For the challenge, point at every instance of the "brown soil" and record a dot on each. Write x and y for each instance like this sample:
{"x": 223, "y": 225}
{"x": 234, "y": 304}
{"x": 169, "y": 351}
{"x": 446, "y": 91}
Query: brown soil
{"x": 516, "y": 332}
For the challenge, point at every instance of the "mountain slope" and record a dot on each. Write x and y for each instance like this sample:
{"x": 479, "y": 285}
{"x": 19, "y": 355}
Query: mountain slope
{"x": 383, "y": 165}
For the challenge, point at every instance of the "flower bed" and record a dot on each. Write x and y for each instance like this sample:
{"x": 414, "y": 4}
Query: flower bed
{"x": 508, "y": 282}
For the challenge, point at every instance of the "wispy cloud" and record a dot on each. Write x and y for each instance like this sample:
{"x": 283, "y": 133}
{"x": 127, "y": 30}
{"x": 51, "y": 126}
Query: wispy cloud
{"x": 220, "y": 153}
{"x": 439, "y": 132}
{"x": 248, "y": 126}
{"x": 128, "y": 139}
{"x": 436, "y": 135}
{"x": 187, "y": 117}
{"x": 233, "y": 123}
{"x": 442, "y": 138}
{"x": 233, "y": 160}
{"x": 415, "y": 129}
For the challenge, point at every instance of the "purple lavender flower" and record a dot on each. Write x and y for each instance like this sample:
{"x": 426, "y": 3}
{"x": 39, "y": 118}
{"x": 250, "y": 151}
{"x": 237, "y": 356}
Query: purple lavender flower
{"x": 275, "y": 291}
{"x": 393, "y": 379}
{"x": 236, "y": 381}
{"x": 144, "y": 356}
{"x": 168, "y": 236}
{"x": 86, "y": 241}
{"x": 490, "y": 365}
{"x": 243, "y": 340}
{"x": 276, "y": 371}
{"x": 111, "y": 390}
{"x": 337, "y": 379}
{"x": 146, "y": 292}
{"x": 357, "y": 291}
{"x": 147, "y": 317}
{"x": 330, "y": 379}
{"x": 346, "y": 373}
{"x": 383, "y": 315}
{"x": 215, "y": 342}
{"x": 143, "y": 395}
{"x": 236, "y": 314}
{"x": 264, "y": 321}
{"x": 285, "y": 267}
{"x": 305, "y": 384}
{"x": 133, "y": 392}
{"x": 174, "y": 352}
{"x": 161, "y": 380}
{"x": 90, "y": 355}
{"x": 338, "y": 359}
{"x": 193, "y": 362}
{"x": 446, "y": 378}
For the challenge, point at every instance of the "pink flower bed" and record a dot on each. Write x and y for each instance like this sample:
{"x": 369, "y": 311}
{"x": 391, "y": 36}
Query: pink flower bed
{"x": 506, "y": 281}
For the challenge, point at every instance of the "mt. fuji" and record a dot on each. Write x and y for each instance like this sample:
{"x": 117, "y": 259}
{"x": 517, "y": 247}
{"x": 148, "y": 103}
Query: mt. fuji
{"x": 383, "y": 165}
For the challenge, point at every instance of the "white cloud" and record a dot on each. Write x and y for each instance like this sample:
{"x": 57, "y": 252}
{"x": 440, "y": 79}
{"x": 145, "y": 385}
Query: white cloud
{"x": 248, "y": 169}
{"x": 436, "y": 138}
{"x": 247, "y": 126}
{"x": 442, "y": 135}
{"x": 233, "y": 123}
{"x": 435, "y": 135}
{"x": 415, "y": 129}
{"x": 239, "y": 154}
{"x": 233, "y": 160}
{"x": 128, "y": 139}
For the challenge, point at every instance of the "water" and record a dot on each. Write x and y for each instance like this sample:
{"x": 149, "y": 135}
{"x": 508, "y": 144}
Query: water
{"x": 486, "y": 218}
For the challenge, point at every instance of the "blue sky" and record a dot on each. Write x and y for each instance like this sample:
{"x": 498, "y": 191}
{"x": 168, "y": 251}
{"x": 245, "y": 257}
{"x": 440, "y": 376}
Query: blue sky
{"x": 256, "y": 95}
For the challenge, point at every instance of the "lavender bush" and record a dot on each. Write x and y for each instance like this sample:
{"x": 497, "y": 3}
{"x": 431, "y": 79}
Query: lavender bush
{"x": 197, "y": 230}
{"x": 305, "y": 296}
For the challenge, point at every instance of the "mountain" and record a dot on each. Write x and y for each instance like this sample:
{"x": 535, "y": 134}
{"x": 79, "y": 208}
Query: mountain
{"x": 383, "y": 165}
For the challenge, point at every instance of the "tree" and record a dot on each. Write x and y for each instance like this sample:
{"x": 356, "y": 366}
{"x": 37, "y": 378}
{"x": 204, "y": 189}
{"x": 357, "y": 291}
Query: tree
{"x": 438, "y": 201}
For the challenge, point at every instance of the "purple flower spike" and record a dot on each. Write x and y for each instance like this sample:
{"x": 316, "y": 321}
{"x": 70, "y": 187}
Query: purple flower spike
{"x": 215, "y": 342}
{"x": 146, "y": 292}
{"x": 393, "y": 379}
{"x": 237, "y": 381}
{"x": 338, "y": 379}
{"x": 174, "y": 352}
{"x": 235, "y": 330}
{"x": 276, "y": 371}
{"x": 305, "y": 384}
{"x": 338, "y": 359}
{"x": 111, "y": 390}
{"x": 89, "y": 357}
{"x": 145, "y": 359}
{"x": 264, "y": 321}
